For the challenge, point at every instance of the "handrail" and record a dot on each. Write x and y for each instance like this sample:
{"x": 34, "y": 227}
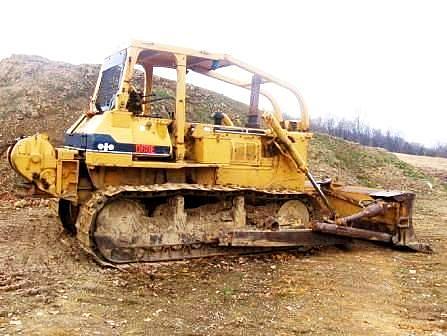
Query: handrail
{"x": 227, "y": 59}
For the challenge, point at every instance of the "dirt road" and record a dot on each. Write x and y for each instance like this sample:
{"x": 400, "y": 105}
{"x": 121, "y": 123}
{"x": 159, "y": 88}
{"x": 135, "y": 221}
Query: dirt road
{"x": 49, "y": 287}
{"x": 432, "y": 165}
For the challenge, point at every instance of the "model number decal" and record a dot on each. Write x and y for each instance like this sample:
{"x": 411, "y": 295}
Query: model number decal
{"x": 147, "y": 149}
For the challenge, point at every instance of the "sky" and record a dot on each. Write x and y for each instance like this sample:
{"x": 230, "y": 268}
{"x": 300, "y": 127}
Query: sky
{"x": 382, "y": 61}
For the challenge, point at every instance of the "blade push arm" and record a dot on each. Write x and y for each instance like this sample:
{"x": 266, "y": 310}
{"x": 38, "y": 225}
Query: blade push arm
{"x": 281, "y": 134}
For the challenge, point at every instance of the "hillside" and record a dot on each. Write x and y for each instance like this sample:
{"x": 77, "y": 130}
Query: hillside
{"x": 352, "y": 163}
{"x": 37, "y": 94}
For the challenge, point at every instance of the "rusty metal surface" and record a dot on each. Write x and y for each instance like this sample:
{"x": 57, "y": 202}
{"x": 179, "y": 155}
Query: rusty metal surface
{"x": 347, "y": 231}
{"x": 254, "y": 117}
{"x": 398, "y": 196}
{"x": 387, "y": 193}
{"x": 370, "y": 211}
{"x": 303, "y": 237}
{"x": 375, "y": 193}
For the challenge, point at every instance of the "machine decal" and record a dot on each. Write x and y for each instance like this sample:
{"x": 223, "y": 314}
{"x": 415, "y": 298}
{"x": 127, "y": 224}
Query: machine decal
{"x": 147, "y": 149}
{"x": 106, "y": 147}
{"x": 106, "y": 143}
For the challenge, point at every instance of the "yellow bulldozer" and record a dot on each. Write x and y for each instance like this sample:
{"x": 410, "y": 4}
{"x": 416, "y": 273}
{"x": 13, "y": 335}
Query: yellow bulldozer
{"x": 138, "y": 186}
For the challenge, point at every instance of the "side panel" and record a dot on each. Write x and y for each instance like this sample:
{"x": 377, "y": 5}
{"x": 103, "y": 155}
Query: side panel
{"x": 281, "y": 174}
{"x": 211, "y": 150}
{"x": 67, "y": 178}
{"x": 249, "y": 160}
{"x": 122, "y": 133}
{"x": 224, "y": 159}
{"x": 67, "y": 174}
{"x": 102, "y": 177}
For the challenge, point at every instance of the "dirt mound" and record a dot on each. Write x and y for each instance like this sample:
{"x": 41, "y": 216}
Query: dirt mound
{"x": 37, "y": 95}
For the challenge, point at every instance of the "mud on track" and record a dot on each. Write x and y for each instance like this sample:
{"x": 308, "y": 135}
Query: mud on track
{"x": 49, "y": 287}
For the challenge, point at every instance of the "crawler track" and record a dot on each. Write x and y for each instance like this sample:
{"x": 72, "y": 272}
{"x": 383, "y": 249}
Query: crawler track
{"x": 108, "y": 250}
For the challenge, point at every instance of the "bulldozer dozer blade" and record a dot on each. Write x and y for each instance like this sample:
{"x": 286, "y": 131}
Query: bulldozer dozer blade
{"x": 386, "y": 217}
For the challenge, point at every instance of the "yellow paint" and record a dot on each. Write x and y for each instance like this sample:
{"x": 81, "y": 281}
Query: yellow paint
{"x": 180, "y": 118}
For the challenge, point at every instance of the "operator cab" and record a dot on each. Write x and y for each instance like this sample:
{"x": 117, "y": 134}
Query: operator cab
{"x": 127, "y": 83}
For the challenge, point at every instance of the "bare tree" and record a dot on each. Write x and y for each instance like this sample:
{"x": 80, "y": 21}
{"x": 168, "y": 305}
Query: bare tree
{"x": 355, "y": 130}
